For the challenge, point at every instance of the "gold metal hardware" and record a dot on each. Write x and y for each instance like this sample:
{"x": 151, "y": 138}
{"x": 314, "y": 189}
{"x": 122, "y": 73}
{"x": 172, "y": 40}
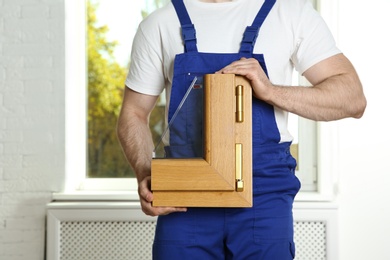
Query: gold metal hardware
{"x": 239, "y": 104}
{"x": 239, "y": 181}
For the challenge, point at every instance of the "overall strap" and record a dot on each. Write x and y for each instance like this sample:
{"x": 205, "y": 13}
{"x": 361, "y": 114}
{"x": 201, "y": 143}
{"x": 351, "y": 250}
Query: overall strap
{"x": 251, "y": 32}
{"x": 187, "y": 28}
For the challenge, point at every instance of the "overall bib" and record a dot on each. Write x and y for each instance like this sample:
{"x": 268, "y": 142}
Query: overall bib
{"x": 262, "y": 232}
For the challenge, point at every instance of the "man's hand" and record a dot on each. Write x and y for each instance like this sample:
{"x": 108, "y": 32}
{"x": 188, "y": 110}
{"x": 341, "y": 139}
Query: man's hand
{"x": 146, "y": 198}
{"x": 251, "y": 69}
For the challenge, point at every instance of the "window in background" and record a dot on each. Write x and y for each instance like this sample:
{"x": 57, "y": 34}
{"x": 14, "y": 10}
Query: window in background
{"x": 111, "y": 25}
{"x": 304, "y": 146}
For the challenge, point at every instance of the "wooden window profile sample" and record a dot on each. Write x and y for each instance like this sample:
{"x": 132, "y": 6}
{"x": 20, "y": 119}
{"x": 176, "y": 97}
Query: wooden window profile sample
{"x": 223, "y": 178}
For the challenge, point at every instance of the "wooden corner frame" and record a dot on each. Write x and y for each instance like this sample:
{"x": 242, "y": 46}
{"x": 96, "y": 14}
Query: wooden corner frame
{"x": 216, "y": 179}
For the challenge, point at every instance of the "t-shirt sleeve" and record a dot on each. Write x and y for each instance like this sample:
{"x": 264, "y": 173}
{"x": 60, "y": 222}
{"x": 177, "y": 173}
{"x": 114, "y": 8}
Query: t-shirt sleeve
{"x": 146, "y": 74}
{"x": 313, "y": 40}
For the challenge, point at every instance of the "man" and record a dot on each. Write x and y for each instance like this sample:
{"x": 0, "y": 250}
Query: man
{"x": 263, "y": 41}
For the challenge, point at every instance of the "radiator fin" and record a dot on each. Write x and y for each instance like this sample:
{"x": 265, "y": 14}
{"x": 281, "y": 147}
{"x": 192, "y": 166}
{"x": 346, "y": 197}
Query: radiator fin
{"x": 80, "y": 240}
{"x": 106, "y": 240}
{"x": 310, "y": 240}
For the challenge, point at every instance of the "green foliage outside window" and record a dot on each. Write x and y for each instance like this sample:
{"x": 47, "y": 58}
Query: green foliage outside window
{"x": 106, "y": 79}
{"x": 105, "y": 88}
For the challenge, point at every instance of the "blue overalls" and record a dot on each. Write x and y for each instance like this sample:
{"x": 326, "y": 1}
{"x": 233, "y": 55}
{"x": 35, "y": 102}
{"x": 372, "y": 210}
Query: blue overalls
{"x": 264, "y": 231}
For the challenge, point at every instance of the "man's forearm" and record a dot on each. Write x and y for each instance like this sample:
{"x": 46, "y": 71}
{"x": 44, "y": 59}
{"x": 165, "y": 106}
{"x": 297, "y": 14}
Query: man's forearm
{"x": 135, "y": 138}
{"x": 335, "y": 98}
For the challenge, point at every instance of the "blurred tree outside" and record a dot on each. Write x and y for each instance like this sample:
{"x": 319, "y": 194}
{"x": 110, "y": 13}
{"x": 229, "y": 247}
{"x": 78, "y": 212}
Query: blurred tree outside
{"x": 105, "y": 89}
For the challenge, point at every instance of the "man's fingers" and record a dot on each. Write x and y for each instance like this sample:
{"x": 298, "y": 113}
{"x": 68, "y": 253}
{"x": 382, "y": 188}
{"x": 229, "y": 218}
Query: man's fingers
{"x": 148, "y": 209}
{"x": 146, "y": 199}
{"x": 242, "y": 66}
{"x": 144, "y": 190}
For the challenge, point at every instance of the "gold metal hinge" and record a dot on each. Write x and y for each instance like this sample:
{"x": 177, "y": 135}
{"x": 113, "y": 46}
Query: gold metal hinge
{"x": 240, "y": 104}
{"x": 239, "y": 179}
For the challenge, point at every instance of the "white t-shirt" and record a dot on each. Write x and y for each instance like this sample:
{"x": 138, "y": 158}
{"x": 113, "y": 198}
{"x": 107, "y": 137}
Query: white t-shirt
{"x": 293, "y": 35}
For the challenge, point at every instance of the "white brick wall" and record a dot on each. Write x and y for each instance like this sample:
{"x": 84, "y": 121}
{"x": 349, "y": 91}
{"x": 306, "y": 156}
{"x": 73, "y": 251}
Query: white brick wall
{"x": 31, "y": 121}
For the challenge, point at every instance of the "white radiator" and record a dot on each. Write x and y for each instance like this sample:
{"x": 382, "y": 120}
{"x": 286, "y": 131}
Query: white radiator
{"x": 108, "y": 231}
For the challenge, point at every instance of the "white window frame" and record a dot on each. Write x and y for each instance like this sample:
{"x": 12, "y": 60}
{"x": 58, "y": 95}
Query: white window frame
{"x": 76, "y": 109}
{"x": 307, "y": 145}
{"x": 323, "y": 171}
{"x": 75, "y": 95}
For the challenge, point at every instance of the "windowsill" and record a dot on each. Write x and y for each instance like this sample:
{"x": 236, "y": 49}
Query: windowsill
{"x": 96, "y": 196}
{"x": 129, "y": 199}
{"x": 308, "y": 196}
